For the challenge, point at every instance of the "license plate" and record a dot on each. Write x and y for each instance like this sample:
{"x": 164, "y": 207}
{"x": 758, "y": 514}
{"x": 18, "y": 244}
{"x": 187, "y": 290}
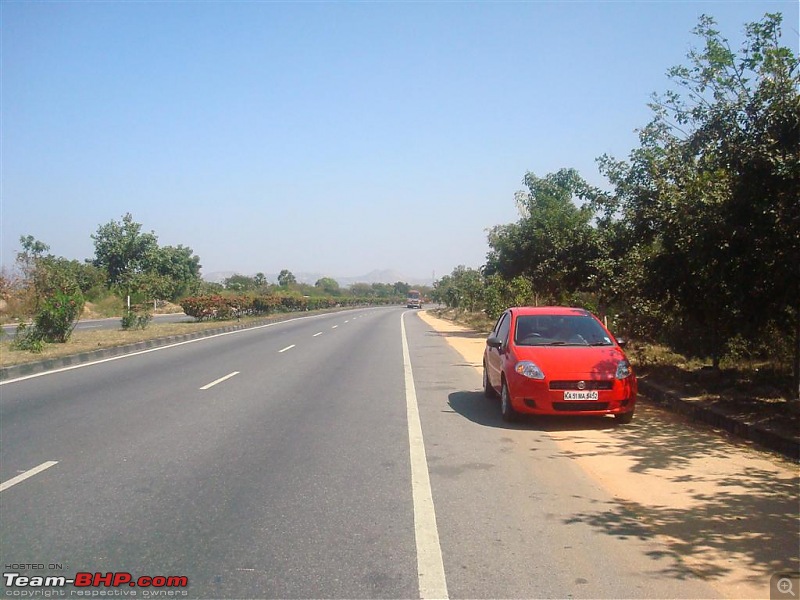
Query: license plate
{"x": 581, "y": 395}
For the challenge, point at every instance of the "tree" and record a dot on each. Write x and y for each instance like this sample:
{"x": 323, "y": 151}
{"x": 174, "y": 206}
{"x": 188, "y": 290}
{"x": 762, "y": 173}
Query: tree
{"x": 240, "y": 283}
{"x": 124, "y": 251}
{"x": 328, "y": 285}
{"x": 553, "y": 244}
{"x": 56, "y": 298}
{"x": 286, "y": 278}
{"x": 709, "y": 200}
{"x": 181, "y": 267}
{"x": 400, "y": 289}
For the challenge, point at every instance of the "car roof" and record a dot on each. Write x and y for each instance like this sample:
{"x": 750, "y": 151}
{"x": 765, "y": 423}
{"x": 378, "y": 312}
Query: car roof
{"x": 549, "y": 310}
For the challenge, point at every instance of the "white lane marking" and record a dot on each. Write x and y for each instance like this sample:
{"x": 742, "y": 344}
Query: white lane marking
{"x": 430, "y": 566}
{"x": 220, "y": 380}
{"x": 287, "y": 348}
{"x": 316, "y": 334}
{"x": 347, "y": 321}
{"x": 158, "y": 349}
{"x": 334, "y": 327}
{"x": 23, "y": 476}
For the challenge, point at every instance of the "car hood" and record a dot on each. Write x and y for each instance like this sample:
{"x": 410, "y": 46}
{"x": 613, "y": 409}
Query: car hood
{"x": 566, "y": 362}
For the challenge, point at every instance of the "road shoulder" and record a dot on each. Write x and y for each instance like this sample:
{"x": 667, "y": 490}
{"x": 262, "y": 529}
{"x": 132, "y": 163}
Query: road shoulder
{"x": 727, "y": 513}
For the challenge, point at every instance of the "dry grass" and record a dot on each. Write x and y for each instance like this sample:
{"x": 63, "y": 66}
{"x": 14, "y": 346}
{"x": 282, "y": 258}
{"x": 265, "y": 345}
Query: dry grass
{"x": 476, "y": 321}
{"x": 88, "y": 340}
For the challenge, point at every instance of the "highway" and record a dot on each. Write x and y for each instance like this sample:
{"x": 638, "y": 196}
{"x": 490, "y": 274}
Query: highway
{"x": 344, "y": 455}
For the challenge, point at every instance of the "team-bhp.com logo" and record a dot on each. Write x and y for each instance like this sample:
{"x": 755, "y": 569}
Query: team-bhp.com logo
{"x": 94, "y": 580}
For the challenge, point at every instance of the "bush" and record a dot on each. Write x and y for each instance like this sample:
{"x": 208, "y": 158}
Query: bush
{"x": 58, "y": 314}
{"x": 28, "y": 339}
{"x": 136, "y": 319}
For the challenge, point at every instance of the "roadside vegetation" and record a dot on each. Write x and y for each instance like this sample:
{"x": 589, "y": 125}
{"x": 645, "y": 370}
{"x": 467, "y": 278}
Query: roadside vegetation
{"x": 132, "y": 277}
{"x": 693, "y": 248}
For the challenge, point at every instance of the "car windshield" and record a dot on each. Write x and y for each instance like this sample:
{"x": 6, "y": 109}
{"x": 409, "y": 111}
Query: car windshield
{"x": 560, "y": 330}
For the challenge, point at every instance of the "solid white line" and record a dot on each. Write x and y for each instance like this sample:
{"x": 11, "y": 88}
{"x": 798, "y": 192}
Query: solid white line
{"x": 285, "y": 349}
{"x": 316, "y": 334}
{"x": 220, "y": 380}
{"x": 23, "y": 476}
{"x": 430, "y": 566}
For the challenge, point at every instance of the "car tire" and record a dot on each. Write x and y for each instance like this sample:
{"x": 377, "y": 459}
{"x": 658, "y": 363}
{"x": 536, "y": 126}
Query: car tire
{"x": 488, "y": 390}
{"x": 624, "y": 418}
{"x": 506, "y": 410}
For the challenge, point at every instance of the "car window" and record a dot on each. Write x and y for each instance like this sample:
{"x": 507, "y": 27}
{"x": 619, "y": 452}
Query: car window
{"x": 503, "y": 327}
{"x": 497, "y": 326}
{"x": 558, "y": 330}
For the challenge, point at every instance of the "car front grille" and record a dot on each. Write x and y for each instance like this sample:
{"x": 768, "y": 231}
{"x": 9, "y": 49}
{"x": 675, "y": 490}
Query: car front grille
{"x": 565, "y": 406}
{"x": 588, "y": 385}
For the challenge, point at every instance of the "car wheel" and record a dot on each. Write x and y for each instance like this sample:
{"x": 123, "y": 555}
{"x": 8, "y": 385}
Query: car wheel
{"x": 624, "y": 418}
{"x": 488, "y": 390}
{"x": 506, "y": 410}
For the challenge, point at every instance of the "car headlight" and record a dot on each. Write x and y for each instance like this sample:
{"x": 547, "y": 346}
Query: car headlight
{"x": 623, "y": 369}
{"x": 528, "y": 369}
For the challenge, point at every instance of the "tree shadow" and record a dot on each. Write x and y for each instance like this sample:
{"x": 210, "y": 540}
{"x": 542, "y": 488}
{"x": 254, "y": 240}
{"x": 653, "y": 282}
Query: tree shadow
{"x": 736, "y": 525}
{"x": 756, "y": 522}
{"x": 752, "y": 513}
{"x": 473, "y": 335}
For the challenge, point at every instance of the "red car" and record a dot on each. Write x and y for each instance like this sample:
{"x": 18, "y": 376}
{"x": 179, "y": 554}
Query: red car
{"x": 557, "y": 361}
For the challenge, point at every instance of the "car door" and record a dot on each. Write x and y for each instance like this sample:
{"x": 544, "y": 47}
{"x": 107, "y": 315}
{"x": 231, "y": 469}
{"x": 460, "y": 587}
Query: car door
{"x": 494, "y": 356}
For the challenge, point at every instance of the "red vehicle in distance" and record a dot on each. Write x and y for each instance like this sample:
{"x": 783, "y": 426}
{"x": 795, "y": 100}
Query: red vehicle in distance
{"x": 557, "y": 361}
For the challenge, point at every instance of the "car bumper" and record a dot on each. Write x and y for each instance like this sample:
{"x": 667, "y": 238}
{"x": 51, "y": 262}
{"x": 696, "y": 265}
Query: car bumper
{"x": 537, "y": 398}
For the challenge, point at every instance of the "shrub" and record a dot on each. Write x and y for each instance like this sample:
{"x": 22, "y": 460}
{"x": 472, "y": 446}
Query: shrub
{"x": 136, "y": 319}
{"x": 58, "y": 314}
{"x": 29, "y": 339}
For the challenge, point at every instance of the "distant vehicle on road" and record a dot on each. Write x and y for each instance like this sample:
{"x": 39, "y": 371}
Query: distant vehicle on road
{"x": 414, "y": 299}
{"x": 557, "y": 361}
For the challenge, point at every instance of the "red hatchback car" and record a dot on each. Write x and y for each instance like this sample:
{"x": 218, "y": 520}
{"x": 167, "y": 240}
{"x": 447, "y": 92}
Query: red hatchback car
{"x": 557, "y": 361}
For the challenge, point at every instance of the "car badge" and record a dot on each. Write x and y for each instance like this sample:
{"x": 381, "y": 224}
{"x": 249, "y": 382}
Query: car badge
{"x": 581, "y": 385}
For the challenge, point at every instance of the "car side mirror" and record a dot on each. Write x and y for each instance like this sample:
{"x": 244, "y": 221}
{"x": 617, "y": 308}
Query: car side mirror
{"x": 621, "y": 342}
{"x": 494, "y": 342}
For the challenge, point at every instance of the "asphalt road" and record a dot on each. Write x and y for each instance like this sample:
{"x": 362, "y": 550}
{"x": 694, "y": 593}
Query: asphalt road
{"x": 300, "y": 473}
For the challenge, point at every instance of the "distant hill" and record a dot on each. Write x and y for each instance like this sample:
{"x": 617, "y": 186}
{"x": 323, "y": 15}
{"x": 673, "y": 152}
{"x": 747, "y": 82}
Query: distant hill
{"x": 376, "y": 276}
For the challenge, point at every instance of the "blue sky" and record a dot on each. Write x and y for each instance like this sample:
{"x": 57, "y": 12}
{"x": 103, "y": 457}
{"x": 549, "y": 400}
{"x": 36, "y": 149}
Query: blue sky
{"x": 334, "y": 138}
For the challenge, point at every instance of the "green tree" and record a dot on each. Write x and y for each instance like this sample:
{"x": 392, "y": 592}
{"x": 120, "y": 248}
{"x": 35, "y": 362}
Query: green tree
{"x": 500, "y": 294}
{"x": 181, "y": 268}
{"x": 328, "y": 286}
{"x": 286, "y": 278}
{"x": 54, "y": 293}
{"x": 240, "y": 283}
{"x": 124, "y": 251}
{"x": 709, "y": 200}
{"x": 553, "y": 244}
{"x": 400, "y": 289}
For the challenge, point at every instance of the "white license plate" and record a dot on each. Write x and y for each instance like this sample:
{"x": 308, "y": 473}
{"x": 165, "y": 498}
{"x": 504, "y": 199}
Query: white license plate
{"x": 581, "y": 395}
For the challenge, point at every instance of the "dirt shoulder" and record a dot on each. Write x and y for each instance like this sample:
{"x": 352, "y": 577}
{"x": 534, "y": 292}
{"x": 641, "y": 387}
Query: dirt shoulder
{"x": 747, "y": 404}
{"x": 727, "y": 513}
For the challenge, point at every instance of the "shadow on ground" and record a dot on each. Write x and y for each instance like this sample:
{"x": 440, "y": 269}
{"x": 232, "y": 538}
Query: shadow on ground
{"x": 742, "y": 516}
{"x": 486, "y": 411}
